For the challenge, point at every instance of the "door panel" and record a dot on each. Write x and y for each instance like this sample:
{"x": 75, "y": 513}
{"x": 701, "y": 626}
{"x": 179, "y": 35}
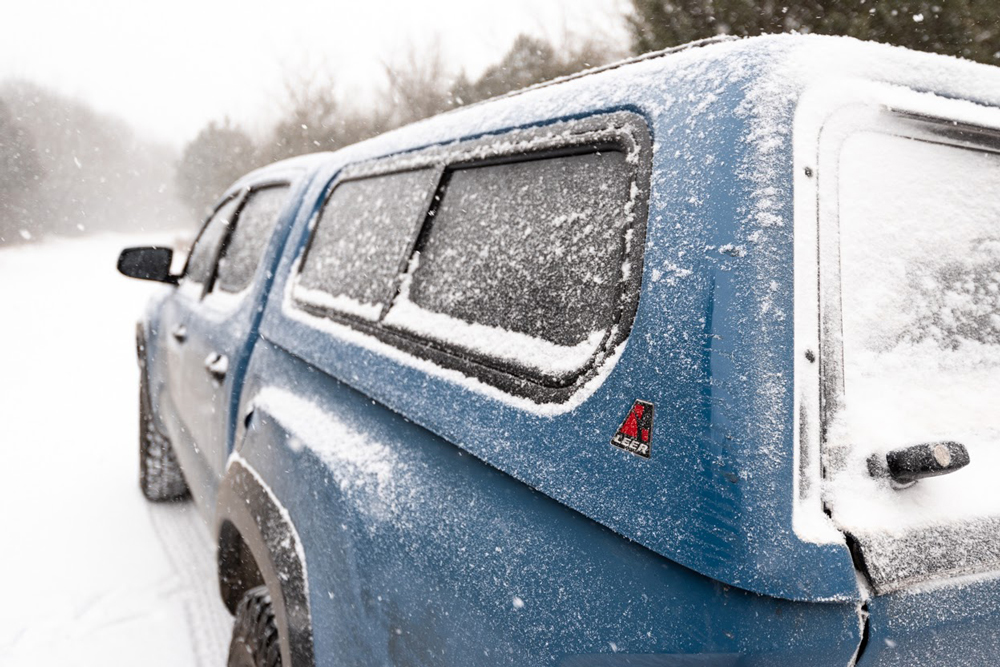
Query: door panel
{"x": 176, "y": 314}
{"x": 219, "y": 327}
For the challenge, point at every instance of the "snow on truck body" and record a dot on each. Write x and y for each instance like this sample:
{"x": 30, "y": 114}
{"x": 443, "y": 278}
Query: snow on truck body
{"x": 764, "y": 265}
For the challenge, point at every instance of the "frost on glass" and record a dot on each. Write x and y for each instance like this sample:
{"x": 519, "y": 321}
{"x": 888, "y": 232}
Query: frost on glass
{"x": 529, "y": 247}
{"x": 360, "y": 240}
{"x": 920, "y": 289}
{"x": 248, "y": 240}
{"x": 206, "y": 248}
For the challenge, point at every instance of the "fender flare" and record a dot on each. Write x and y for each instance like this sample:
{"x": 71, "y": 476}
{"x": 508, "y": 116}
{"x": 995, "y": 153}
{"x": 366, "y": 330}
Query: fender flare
{"x": 258, "y": 544}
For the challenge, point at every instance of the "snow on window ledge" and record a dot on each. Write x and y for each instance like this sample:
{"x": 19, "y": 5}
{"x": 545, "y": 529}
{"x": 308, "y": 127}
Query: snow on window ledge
{"x": 337, "y": 302}
{"x": 540, "y": 355}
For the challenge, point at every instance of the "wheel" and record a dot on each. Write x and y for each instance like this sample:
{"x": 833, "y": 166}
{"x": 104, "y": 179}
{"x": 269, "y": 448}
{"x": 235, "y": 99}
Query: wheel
{"x": 255, "y": 634}
{"x": 160, "y": 476}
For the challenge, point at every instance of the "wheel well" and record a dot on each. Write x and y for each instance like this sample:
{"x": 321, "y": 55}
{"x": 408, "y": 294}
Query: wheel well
{"x": 238, "y": 570}
{"x": 259, "y": 546}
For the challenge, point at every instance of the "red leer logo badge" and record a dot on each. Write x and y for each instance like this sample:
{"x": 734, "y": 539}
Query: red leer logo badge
{"x": 636, "y": 432}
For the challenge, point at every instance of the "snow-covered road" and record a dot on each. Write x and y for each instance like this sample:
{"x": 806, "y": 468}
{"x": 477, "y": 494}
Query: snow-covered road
{"x": 92, "y": 573}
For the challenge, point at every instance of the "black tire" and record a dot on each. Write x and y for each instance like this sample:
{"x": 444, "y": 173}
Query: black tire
{"x": 255, "y": 634}
{"x": 160, "y": 476}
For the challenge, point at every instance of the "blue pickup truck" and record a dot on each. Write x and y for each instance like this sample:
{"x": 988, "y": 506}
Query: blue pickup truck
{"x": 689, "y": 360}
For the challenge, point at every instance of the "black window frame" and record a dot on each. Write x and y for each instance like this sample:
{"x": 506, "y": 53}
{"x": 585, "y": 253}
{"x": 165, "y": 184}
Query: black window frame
{"x": 915, "y": 127}
{"x": 201, "y": 232}
{"x": 623, "y": 131}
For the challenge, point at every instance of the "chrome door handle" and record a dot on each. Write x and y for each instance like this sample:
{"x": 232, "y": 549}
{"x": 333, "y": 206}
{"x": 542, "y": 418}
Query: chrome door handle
{"x": 180, "y": 333}
{"x": 217, "y": 365}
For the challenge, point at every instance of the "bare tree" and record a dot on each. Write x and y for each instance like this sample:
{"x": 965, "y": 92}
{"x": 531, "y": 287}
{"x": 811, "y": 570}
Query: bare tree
{"x": 316, "y": 119}
{"x": 419, "y": 87}
{"x": 309, "y": 122}
{"x": 212, "y": 161}
{"x": 532, "y": 60}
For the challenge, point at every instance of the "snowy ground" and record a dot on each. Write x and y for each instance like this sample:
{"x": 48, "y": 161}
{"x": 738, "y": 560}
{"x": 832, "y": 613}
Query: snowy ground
{"x": 93, "y": 573}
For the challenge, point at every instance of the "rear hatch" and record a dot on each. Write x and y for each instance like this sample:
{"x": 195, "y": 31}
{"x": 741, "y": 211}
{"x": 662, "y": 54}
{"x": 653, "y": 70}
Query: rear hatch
{"x": 910, "y": 340}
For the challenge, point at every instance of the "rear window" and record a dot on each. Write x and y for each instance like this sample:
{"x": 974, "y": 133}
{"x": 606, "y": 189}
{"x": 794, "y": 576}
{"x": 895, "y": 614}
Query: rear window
{"x": 362, "y": 236}
{"x": 919, "y": 335}
{"x": 522, "y": 261}
{"x": 920, "y": 284}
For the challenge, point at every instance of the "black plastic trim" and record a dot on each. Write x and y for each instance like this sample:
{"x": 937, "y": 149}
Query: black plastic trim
{"x": 204, "y": 225}
{"x": 251, "y": 525}
{"x": 865, "y": 620}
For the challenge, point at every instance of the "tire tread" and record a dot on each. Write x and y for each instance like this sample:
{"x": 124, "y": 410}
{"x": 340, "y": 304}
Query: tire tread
{"x": 160, "y": 475}
{"x": 255, "y": 632}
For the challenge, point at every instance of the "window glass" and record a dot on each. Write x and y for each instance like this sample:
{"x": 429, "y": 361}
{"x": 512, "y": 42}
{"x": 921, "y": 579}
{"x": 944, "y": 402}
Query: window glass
{"x": 523, "y": 260}
{"x": 920, "y": 287}
{"x": 206, "y": 248}
{"x": 248, "y": 239}
{"x": 361, "y": 239}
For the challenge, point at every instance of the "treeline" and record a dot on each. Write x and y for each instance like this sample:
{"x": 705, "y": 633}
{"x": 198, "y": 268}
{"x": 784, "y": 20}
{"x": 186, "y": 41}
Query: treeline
{"x": 66, "y": 169}
{"x": 317, "y": 119}
{"x": 966, "y": 28}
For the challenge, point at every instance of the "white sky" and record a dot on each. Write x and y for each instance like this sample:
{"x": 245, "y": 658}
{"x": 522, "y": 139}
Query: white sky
{"x": 170, "y": 67}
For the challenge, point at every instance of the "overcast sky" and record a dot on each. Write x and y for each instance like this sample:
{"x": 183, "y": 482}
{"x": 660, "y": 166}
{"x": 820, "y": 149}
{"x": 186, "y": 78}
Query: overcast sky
{"x": 169, "y": 67}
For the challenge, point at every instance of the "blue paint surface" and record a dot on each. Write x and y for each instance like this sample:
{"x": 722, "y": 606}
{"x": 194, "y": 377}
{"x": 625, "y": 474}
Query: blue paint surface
{"x": 716, "y": 496}
{"x": 420, "y": 554}
{"x": 955, "y": 625}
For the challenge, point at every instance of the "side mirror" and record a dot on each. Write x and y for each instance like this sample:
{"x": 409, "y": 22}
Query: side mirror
{"x": 147, "y": 263}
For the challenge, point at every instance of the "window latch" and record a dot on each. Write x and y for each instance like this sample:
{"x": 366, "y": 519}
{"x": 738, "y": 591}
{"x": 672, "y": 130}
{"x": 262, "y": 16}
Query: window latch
{"x": 908, "y": 465}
